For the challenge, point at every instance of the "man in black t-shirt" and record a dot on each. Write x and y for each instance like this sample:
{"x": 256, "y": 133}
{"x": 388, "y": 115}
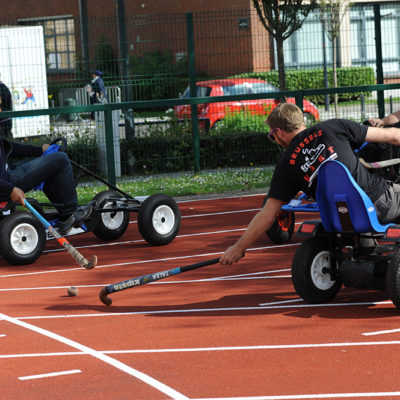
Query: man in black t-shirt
{"x": 306, "y": 148}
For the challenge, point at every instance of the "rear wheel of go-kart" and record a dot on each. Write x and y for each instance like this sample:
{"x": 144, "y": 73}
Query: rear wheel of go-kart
{"x": 159, "y": 219}
{"x": 109, "y": 225}
{"x": 393, "y": 279}
{"x": 283, "y": 227}
{"x": 22, "y": 238}
{"x": 310, "y": 272}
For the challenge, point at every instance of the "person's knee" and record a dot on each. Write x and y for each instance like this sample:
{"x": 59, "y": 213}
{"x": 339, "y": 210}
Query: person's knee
{"x": 58, "y": 160}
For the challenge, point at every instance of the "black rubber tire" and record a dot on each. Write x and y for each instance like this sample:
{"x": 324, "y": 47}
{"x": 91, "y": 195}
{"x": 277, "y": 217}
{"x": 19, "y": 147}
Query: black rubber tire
{"x": 283, "y": 227}
{"x": 159, "y": 219}
{"x": 393, "y": 279}
{"x": 112, "y": 225}
{"x": 22, "y": 238}
{"x": 309, "y": 279}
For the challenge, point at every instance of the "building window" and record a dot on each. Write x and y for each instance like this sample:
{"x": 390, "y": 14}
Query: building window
{"x": 59, "y": 37}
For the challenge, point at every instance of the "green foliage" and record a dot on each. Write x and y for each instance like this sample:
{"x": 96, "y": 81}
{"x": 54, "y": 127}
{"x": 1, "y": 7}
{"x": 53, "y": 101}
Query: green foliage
{"x": 314, "y": 78}
{"x": 105, "y": 59}
{"x": 244, "y": 121}
{"x": 157, "y": 75}
{"x": 150, "y": 155}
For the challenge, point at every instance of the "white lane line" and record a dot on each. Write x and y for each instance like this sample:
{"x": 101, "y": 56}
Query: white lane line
{"x": 280, "y": 302}
{"x": 2, "y": 335}
{"x": 210, "y": 349}
{"x": 103, "y": 357}
{"x": 254, "y": 275}
{"x": 49, "y": 375}
{"x": 202, "y": 310}
{"x": 142, "y": 240}
{"x": 308, "y": 396}
{"x": 145, "y": 261}
{"x": 381, "y": 332}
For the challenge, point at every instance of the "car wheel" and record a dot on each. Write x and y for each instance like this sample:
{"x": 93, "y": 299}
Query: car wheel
{"x": 310, "y": 272}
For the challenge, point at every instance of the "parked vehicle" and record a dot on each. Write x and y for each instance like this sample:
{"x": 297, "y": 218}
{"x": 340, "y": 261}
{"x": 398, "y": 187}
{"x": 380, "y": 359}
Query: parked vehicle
{"x": 210, "y": 114}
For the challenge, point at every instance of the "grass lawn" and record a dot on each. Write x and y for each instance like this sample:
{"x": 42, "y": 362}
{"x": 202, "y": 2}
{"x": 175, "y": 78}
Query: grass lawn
{"x": 177, "y": 185}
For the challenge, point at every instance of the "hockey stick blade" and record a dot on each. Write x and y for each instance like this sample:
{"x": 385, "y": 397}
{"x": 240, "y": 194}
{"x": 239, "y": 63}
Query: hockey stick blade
{"x": 143, "y": 280}
{"x": 78, "y": 257}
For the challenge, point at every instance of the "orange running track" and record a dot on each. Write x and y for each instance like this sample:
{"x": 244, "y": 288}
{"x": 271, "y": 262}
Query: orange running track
{"x": 237, "y": 332}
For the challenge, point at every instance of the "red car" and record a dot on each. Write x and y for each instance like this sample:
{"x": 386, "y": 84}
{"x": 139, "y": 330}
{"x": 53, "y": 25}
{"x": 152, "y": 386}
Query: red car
{"x": 210, "y": 114}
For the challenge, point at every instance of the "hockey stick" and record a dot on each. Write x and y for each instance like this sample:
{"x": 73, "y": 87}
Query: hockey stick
{"x": 380, "y": 164}
{"x": 78, "y": 257}
{"x": 142, "y": 280}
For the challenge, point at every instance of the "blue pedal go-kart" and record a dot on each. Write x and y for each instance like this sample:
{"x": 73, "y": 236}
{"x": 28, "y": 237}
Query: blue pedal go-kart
{"x": 347, "y": 245}
{"x": 389, "y": 156}
{"x": 23, "y": 237}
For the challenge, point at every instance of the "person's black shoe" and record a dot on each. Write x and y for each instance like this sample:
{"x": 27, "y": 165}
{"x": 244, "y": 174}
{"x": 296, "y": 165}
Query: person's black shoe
{"x": 76, "y": 219}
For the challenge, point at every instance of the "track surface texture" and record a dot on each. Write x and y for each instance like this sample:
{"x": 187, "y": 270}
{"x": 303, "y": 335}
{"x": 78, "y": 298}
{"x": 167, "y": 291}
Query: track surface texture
{"x": 238, "y": 332}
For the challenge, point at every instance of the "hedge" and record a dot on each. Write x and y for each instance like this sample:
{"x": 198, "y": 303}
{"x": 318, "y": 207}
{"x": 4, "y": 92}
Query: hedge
{"x": 314, "y": 79}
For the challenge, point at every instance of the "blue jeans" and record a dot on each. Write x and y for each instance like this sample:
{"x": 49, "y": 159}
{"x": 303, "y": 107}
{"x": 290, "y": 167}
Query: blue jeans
{"x": 55, "y": 171}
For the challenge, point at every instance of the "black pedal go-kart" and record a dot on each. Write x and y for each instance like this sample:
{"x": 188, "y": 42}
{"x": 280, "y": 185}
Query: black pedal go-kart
{"x": 347, "y": 245}
{"x": 23, "y": 237}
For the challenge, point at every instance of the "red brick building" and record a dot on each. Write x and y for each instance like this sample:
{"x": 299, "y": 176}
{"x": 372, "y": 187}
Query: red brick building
{"x": 228, "y": 35}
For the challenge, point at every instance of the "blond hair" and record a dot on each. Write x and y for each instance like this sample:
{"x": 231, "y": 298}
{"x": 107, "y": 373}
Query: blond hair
{"x": 286, "y": 116}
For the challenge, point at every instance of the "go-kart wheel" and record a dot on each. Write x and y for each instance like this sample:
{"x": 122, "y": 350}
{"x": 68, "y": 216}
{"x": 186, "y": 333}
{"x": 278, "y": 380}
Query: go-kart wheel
{"x": 63, "y": 145}
{"x": 393, "y": 279}
{"x": 283, "y": 227}
{"x": 159, "y": 219}
{"x": 109, "y": 225}
{"x": 310, "y": 272}
{"x": 22, "y": 238}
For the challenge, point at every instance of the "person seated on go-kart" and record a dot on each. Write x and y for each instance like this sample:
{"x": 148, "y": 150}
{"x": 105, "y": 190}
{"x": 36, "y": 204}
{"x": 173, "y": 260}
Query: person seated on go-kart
{"x": 306, "y": 148}
{"x": 54, "y": 170}
{"x": 372, "y": 152}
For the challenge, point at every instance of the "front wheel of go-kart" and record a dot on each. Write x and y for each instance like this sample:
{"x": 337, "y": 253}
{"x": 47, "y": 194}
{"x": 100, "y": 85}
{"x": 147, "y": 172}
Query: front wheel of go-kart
{"x": 22, "y": 238}
{"x": 310, "y": 272}
{"x": 109, "y": 225}
{"x": 283, "y": 227}
{"x": 159, "y": 219}
{"x": 393, "y": 279}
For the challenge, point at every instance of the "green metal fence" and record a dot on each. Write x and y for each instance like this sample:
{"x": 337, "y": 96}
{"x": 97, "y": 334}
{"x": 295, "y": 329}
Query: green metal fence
{"x": 149, "y": 60}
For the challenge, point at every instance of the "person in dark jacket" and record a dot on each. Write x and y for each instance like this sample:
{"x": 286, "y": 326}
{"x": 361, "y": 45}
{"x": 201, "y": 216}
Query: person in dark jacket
{"x": 5, "y": 105}
{"x": 53, "y": 169}
{"x": 97, "y": 90}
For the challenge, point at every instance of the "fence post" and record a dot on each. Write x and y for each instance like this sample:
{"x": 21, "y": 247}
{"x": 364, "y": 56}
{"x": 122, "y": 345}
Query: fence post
{"x": 110, "y": 146}
{"x": 193, "y": 91}
{"x": 379, "y": 59}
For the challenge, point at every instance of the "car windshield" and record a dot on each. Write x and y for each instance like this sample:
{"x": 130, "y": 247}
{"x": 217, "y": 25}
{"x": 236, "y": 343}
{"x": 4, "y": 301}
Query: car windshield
{"x": 201, "y": 91}
{"x": 248, "y": 88}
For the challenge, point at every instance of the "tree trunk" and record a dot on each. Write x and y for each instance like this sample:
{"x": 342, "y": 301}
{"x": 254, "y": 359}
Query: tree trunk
{"x": 334, "y": 61}
{"x": 281, "y": 64}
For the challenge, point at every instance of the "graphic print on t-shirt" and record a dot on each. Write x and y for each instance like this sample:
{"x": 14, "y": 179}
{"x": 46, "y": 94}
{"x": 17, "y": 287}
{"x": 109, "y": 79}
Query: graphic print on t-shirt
{"x": 311, "y": 155}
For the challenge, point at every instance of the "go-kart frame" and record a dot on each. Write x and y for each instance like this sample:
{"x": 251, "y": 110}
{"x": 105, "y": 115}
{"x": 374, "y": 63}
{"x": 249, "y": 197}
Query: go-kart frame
{"x": 23, "y": 237}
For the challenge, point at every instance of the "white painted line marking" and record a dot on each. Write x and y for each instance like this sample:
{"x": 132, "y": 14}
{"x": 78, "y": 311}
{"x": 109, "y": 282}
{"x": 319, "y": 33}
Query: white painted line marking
{"x": 280, "y": 302}
{"x": 308, "y": 396}
{"x": 108, "y": 360}
{"x": 210, "y": 349}
{"x": 49, "y": 375}
{"x": 2, "y": 335}
{"x": 145, "y": 261}
{"x": 216, "y": 310}
{"x": 381, "y": 332}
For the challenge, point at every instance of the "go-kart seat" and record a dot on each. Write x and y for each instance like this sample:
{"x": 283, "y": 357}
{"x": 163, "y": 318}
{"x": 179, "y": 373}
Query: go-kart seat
{"x": 343, "y": 205}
